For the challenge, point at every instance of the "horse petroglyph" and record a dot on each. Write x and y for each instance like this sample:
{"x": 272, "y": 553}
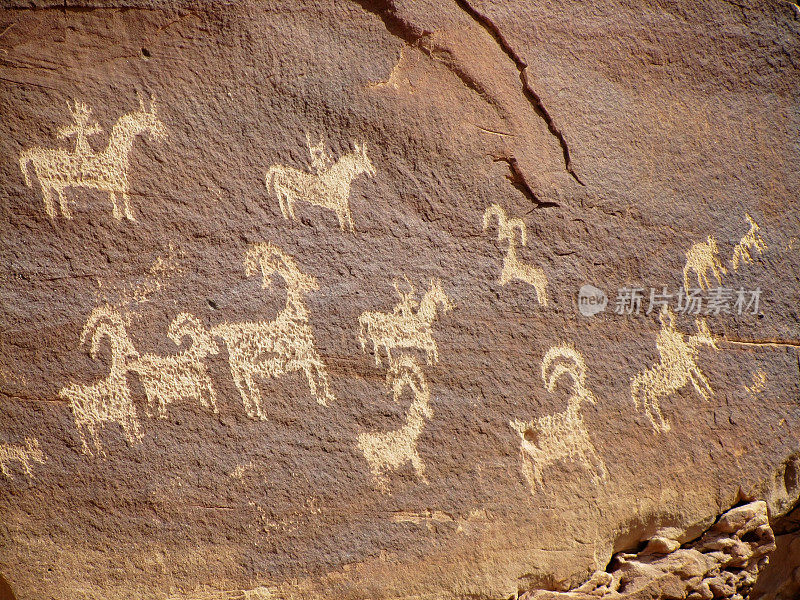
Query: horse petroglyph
{"x": 701, "y": 258}
{"x": 169, "y": 378}
{"x": 677, "y": 367}
{"x": 751, "y": 241}
{"x": 108, "y": 400}
{"x": 273, "y": 348}
{"x": 106, "y": 170}
{"x": 388, "y": 451}
{"x": 25, "y": 454}
{"x": 512, "y": 267}
{"x": 561, "y": 436}
{"x": 407, "y": 326}
{"x": 327, "y": 187}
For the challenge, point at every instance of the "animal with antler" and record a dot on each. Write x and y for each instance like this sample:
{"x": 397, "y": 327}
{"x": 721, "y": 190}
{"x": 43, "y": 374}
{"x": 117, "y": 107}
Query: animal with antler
{"x": 512, "y": 267}
{"x": 107, "y": 400}
{"x": 677, "y": 368}
{"x": 405, "y": 327}
{"x": 25, "y": 454}
{"x": 388, "y": 451}
{"x": 561, "y": 436}
{"x": 750, "y": 241}
{"x": 105, "y": 170}
{"x": 328, "y": 187}
{"x": 273, "y": 348}
{"x": 167, "y": 379}
{"x": 701, "y": 258}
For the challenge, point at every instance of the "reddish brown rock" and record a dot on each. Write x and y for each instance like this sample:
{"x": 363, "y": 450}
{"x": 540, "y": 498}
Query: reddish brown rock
{"x": 211, "y": 383}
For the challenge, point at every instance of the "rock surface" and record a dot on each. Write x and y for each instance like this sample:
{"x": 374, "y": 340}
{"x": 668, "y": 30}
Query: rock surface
{"x": 290, "y": 292}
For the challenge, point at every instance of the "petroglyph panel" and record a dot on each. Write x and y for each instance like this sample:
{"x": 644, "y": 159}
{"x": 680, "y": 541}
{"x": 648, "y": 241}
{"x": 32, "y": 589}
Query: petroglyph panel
{"x": 312, "y": 365}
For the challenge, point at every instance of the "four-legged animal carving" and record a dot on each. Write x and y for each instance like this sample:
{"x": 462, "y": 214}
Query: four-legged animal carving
{"x": 107, "y": 400}
{"x": 169, "y": 378}
{"x": 272, "y": 348}
{"x": 702, "y": 258}
{"x": 750, "y": 241}
{"x": 677, "y": 367}
{"x": 388, "y": 451}
{"x": 512, "y": 267}
{"x": 403, "y": 327}
{"x": 23, "y": 454}
{"x": 562, "y": 436}
{"x": 106, "y": 170}
{"x": 329, "y": 188}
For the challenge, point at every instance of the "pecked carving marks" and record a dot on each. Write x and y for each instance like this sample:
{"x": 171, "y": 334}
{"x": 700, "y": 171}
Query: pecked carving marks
{"x": 23, "y": 454}
{"x": 106, "y": 170}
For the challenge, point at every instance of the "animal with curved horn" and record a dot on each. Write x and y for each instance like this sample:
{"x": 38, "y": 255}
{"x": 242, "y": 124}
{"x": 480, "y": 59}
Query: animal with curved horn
{"x": 512, "y": 267}
{"x": 273, "y": 348}
{"x": 107, "y": 400}
{"x": 168, "y": 379}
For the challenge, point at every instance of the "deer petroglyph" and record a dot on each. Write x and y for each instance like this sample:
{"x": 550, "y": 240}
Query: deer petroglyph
{"x": 106, "y": 170}
{"x": 512, "y": 267}
{"x": 751, "y": 241}
{"x": 701, "y": 258}
{"x": 561, "y": 436}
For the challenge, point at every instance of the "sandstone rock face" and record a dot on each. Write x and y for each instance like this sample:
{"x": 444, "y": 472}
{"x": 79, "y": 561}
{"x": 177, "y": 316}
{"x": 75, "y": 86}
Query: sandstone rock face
{"x": 291, "y": 297}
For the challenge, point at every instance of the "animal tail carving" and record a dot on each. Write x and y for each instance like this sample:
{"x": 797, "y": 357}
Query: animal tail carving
{"x": 270, "y": 177}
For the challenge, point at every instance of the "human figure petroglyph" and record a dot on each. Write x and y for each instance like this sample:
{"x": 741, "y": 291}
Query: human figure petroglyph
{"x": 676, "y": 368}
{"x": 751, "y": 241}
{"x": 24, "y": 454}
{"x": 512, "y": 267}
{"x": 273, "y": 348}
{"x": 167, "y": 379}
{"x": 390, "y": 450}
{"x": 107, "y": 400}
{"x": 407, "y": 326}
{"x": 701, "y": 258}
{"x": 328, "y": 187}
{"x": 561, "y": 436}
{"x": 106, "y": 170}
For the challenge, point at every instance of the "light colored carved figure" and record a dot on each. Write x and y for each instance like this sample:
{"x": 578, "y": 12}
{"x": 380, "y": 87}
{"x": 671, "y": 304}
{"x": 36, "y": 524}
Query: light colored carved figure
{"x": 677, "y": 368}
{"x": 25, "y": 454}
{"x": 701, "y": 258}
{"x": 561, "y": 436}
{"x": 388, "y": 451}
{"x": 758, "y": 384}
{"x": 750, "y": 241}
{"x": 273, "y": 348}
{"x": 512, "y": 267}
{"x": 328, "y": 187}
{"x": 168, "y": 379}
{"x": 407, "y": 326}
{"x": 106, "y": 170}
{"x": 107, "y": 400}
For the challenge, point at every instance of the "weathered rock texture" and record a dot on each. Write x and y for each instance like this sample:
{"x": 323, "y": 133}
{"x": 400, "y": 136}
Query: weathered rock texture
{"x": 723, "y": 563}
{"x": 289, "y": 292}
